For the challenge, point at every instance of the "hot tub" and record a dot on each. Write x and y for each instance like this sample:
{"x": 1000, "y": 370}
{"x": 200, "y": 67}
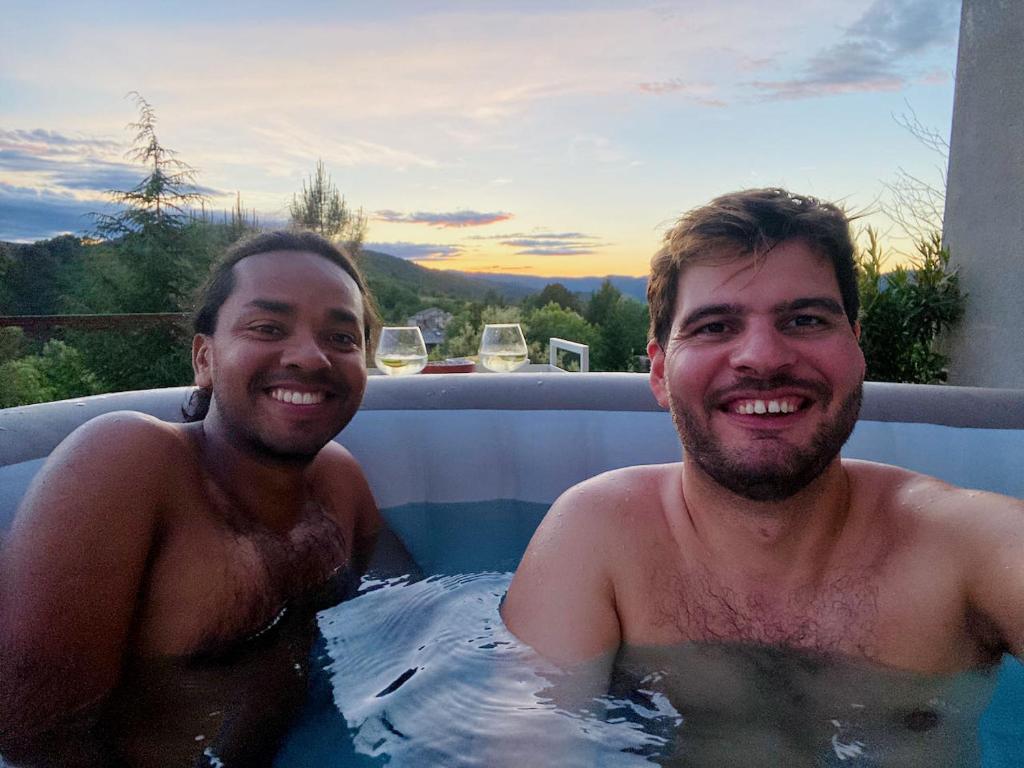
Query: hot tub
{"x": 516, "y": 441}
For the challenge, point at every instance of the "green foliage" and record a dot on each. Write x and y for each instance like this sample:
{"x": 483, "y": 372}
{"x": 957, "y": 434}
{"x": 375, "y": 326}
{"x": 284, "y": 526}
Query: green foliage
{"x": 623, "y": 324}
{"x": 557, "y": 293}
{"x": 58, "y": 373}
{"x": 553, "y": 321}
{"x": 396, "y": 301}
{"x": 6, "y": 264}
{"x": 904, "y": 312}
{"x": 37, "y": 277}
{"x": 463, "y": 333}
{"x": 137, "y": 359}
{"x": 12, "y": 343}
{"x": 160, "y": 201}
{"x": 321, "y": 208}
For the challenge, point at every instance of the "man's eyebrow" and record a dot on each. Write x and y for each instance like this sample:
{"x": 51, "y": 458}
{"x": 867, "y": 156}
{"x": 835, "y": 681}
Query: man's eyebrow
{"x": 277, "y": 307}
{"x": 284, "y": 308}
{"x": 811, "y": 302}
{"x": 343, "y": 316}
{"x": 710, "y": 310}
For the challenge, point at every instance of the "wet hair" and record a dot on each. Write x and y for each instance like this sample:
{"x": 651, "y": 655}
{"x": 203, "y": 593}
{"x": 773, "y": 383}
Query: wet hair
{"x": 221, "y": 282}
{"x": 749, "y": 223}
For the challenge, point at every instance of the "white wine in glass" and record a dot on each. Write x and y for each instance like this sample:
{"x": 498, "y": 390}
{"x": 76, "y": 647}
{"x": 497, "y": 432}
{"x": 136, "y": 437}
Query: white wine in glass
{"x": 401, "y": 351}
{"x": 502, "y": 347}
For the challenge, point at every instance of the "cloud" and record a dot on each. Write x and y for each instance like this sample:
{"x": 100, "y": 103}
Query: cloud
{"x": 59, "y": 164}
{"x": 908, "y": 26}
{"x": 845, "y": 68}
{"x": 556, "y": 251}
{"x": 416, "y": 251}
{"x": 547, "y": 243}
{"x": 79, "y": 174}
{"x": 548, "y": 236}
{"x": 874, "y": 54}
{"x": 32, "y": 214}
{"x": 53, "y": 142}
{"x": 455, "y": 219}
{"x": 697, "y": 92}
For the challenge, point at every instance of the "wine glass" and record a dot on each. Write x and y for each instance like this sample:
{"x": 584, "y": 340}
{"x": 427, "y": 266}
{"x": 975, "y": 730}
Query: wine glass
{"x": 502, "y": 347}
{"x": 401, "y": 351}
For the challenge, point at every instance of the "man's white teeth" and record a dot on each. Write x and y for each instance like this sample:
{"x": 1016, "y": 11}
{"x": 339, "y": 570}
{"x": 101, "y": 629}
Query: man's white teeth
{"x": 297, "y": 398}
{"x": 748, "y": 407}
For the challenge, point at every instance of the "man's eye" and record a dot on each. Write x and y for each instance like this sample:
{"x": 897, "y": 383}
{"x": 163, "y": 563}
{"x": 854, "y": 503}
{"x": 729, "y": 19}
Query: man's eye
{"x": 711, "y": 329}
{"x": 806, "y": 321}
{"x": 344, "y": 339}
{"x": 266, "y": 329}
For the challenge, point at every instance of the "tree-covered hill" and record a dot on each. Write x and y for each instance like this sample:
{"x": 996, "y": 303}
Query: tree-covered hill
{"x": 381, "y": 266}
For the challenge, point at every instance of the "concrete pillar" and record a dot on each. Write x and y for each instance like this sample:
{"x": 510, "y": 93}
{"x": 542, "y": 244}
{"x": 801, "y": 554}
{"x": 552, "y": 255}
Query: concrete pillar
{"x": 984, "y": 219}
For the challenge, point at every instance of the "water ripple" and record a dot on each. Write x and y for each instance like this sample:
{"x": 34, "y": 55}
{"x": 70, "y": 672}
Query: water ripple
{"x": 427, "y": 674}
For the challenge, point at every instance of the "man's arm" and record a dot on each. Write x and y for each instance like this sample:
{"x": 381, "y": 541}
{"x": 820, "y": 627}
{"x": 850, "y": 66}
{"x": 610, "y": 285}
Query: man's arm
{"x": 376, "y": 550}
{"x": 994, "y": 535}
{"x": 562, "y": 599}
{"x": 70, "y": 575}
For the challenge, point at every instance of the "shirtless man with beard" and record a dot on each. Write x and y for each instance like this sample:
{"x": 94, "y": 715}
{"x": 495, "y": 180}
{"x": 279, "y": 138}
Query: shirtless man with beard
{"x": 160, "y": 580}
{"x": 796, "y": 608}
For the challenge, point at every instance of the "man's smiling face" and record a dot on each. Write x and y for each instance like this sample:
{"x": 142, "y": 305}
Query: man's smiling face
{"x": 762, "y": 371}
{"x": 286, "y": 361}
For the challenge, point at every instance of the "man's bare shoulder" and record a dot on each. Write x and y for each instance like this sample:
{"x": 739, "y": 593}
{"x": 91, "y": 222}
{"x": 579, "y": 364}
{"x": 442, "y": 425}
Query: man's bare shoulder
{"x": 122, "y": 449}
{"x": 950, "y": 523}
{"x": 334, "y": 458}
{"x": 339, "y": 477}
{"x": 927, "y": 500}
{"x": 562, "y": 599}
{"x": 619, "y": 495}
{"x": 975, "y": 536}
{"x": 127, "y": 435}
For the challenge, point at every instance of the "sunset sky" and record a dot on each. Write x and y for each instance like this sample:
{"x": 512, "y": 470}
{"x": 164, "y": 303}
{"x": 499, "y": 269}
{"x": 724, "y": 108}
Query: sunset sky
{"x": 550, "y": 138}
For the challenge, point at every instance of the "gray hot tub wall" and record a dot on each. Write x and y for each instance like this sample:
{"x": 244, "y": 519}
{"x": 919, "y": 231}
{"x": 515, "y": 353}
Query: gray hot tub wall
{"x": 451, "y": 438}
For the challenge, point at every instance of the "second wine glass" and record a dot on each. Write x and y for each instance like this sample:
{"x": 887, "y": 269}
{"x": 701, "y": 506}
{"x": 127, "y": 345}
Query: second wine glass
{"x": 401, "y": 351}
{"x": 502, "y": 347}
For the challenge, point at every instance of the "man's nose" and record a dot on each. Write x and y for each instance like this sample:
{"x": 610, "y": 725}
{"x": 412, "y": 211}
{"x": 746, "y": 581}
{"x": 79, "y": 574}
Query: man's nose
{"x": 304, "y": 351}
{"x": 762, "y": 350}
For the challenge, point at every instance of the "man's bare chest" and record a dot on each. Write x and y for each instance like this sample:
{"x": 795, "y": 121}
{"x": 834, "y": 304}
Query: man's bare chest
{"x": 887, "y": 612}
{"x": 838, "y": 615}
{"x": 211, "y": 585}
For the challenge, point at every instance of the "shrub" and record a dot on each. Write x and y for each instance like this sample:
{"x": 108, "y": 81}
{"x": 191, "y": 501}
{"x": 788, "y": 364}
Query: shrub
{"x": 903, "y": 312}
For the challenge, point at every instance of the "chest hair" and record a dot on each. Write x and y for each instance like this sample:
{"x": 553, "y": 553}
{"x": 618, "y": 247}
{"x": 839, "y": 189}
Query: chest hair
{"x": 838, "y": 615}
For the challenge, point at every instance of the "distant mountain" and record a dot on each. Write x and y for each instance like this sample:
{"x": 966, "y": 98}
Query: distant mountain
{"x": 440, "y": 282}
{"x": 474, "y": 285}
{"x": 634, "y": 287}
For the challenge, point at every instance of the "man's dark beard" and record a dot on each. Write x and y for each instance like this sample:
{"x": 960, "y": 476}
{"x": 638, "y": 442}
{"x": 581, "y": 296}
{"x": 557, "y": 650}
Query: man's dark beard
{"x": 768, "y": 483}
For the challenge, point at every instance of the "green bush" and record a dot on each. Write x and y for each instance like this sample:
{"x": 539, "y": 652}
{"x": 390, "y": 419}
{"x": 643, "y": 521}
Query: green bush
{"x": 57, "y": 373}
{"x": 553, "y": 321}
{"x": 904, "y": 312}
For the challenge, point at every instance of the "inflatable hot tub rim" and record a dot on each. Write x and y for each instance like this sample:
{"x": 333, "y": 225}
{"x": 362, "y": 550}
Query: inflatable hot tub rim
{"x": 32, "y": 431}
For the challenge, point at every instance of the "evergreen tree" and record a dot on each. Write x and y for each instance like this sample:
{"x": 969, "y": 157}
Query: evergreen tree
{"x": 557, "y": 293}
{"x": 160, "y": 201}
{"x": 321, "y": 208}
{"x": 622, "y": 323}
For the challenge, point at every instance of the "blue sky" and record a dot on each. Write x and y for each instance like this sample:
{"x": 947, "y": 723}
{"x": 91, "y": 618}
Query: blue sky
{"x": 556, "y": 138}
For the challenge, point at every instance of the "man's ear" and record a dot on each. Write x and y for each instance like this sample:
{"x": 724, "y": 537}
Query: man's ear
{"x": 658, "y": 385}
{"x": 201, "y": 360}
{"x": 856, "y": 330}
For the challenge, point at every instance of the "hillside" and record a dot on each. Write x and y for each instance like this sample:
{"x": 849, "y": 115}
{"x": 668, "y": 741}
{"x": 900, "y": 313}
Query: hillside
{"x": 634, "y": 287}
{"x": 438, "y": 282}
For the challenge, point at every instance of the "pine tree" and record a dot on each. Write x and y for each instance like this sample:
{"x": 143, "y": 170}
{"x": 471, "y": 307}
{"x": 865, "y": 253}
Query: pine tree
{"x": 161, "y": 199}
{"x": 322, "y": 208}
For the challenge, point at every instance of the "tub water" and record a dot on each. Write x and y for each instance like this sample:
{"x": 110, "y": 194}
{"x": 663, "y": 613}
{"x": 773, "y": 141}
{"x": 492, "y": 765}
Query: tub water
{"x": 423, "y": 673}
